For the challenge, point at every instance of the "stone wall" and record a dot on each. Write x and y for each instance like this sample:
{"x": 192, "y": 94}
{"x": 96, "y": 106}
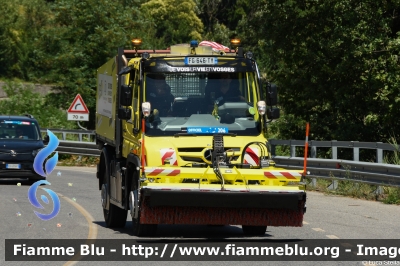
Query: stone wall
{"x": 40, "y": 88}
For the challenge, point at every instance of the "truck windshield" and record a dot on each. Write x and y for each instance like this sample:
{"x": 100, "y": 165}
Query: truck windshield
{"x": 201, "y": 103}
{"x": 18, "y": 130}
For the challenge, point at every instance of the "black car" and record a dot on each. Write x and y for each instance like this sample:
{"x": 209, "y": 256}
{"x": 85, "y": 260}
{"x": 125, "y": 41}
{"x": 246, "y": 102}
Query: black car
{"x": 20, "y": 141}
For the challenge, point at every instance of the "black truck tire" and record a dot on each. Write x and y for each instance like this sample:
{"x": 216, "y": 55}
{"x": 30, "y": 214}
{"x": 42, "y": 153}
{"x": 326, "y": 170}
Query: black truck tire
{"x": 114, "y": 216}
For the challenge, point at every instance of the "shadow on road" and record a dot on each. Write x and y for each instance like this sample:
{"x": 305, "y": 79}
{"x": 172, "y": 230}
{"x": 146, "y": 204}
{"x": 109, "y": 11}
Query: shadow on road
{"x": 189, "y": 231}
{"x": 15, "y": 181}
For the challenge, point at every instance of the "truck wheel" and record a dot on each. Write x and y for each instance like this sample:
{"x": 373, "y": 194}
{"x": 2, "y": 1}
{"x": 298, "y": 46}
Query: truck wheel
{"x": 113, "y": 215}
{"x": 134, "y": 205}
{"x": 251, "y": 230}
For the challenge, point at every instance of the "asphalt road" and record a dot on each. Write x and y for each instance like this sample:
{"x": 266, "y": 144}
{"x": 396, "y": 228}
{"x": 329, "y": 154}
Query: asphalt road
{"x": 81, "y": 217}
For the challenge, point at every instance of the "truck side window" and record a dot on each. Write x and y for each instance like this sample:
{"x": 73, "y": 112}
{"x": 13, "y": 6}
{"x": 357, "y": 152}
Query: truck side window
{"x": 251, "y": 83}
{"x": 136, "y": 95}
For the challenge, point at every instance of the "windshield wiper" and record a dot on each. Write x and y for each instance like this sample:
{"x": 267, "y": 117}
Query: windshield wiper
{"x": 204, "y": 134}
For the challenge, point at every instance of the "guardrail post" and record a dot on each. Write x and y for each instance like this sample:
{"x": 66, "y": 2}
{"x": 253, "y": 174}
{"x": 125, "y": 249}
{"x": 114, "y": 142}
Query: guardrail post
{"x": 314, "y": 182}
{"x": 334, "y": 150}
{"x": 292, "y": 150}
{"x": 379, "y": 190}
{"x": 333, "y": 185}
{"x": 313, "y": 154}
{"x": 356, "y": 152}
{"x": 64, "y": 136}
{"x": 313, "y": 151}
{"x": 379, "y": 154}
{"x": 271, "y": 147}
{"x": 80, "y": 136}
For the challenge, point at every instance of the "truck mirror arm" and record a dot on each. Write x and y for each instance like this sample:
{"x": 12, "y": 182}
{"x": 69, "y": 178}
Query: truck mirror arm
{"x": 125, "y": 70}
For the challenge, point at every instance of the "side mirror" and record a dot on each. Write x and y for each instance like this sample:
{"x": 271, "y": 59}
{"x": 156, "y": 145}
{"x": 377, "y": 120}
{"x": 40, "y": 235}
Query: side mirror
{"x": 272, "y": 94}
{"x": 125, "y": 96}
{"x": 46, "y": 139}
{"x": 273, "y": 113}
{"x": 124, "y": 113}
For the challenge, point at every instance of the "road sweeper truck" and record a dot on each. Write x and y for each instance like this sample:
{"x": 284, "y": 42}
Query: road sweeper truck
{"x": 183, "y": 140}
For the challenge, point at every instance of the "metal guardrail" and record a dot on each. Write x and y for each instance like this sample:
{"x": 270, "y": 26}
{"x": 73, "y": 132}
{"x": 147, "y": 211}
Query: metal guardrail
{"x": 72, "y": 134}
{"x": 370, "y": 173}
{"x": 83, "y": 142}
{"x": 366, "y": 172}
{"x": 334, "y": 145}
{"x": 78, "y": 148}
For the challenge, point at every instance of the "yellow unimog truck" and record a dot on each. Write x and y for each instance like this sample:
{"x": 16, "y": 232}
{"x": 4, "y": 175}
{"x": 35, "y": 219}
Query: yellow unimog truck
{"x": 199, "y": 157}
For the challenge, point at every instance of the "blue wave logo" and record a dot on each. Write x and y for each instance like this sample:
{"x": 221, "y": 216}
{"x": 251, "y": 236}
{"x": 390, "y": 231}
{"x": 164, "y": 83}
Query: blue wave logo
{"x": 49, "y": 167}
{"x": 32, "y": 198}
{"x": 42, "y": 155}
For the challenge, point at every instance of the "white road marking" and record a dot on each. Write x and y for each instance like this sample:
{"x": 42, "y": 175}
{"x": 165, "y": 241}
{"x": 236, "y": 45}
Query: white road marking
{"x": 332, "y": 237}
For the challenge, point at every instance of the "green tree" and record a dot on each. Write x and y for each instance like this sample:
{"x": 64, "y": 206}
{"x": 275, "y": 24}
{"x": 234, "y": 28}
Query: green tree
{"x": 35, "y": 15}
{"x": 83, "y": 36}
{"x": 175, "y": 21}
{"x": 221, "y": 18}
{"x": 9, "y": 39}
{"x": 19, "y": 28}
{"x": 336, "y": 63}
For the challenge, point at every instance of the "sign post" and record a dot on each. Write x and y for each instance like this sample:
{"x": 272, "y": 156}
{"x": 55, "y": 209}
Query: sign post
{"x": 78, "y": 110}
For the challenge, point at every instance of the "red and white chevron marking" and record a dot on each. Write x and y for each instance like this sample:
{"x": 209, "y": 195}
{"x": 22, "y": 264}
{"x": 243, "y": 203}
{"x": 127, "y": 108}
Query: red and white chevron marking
{"x": 281, "y": 175}
{"x": 168, "y": 153}
{"x": 162, "y": 172}
{"x": 215, "y": 46}
{"x": 251, "y": 156}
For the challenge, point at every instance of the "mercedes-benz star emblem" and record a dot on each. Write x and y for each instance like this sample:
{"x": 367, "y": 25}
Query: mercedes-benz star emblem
{"x": 208, "y": 154}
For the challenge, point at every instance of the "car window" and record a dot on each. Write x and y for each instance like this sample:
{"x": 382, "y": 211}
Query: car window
{"x": 16, "y": 129}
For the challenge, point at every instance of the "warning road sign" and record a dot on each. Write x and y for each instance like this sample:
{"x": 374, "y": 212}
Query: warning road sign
{"x": 78, "y": 110}
{"x": 78, "y": 105}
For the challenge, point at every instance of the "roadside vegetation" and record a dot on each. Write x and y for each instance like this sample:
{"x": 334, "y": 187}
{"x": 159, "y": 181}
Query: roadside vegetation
{"x": 23, "y": 100}
{"x": 75, "y": 160}
{"x": 347, "y": 188}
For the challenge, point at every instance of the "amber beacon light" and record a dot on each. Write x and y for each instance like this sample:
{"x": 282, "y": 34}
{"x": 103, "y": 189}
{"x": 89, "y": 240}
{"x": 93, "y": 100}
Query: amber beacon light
{"x": 136, "y": 42}
{"x": 235, "y": 43}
